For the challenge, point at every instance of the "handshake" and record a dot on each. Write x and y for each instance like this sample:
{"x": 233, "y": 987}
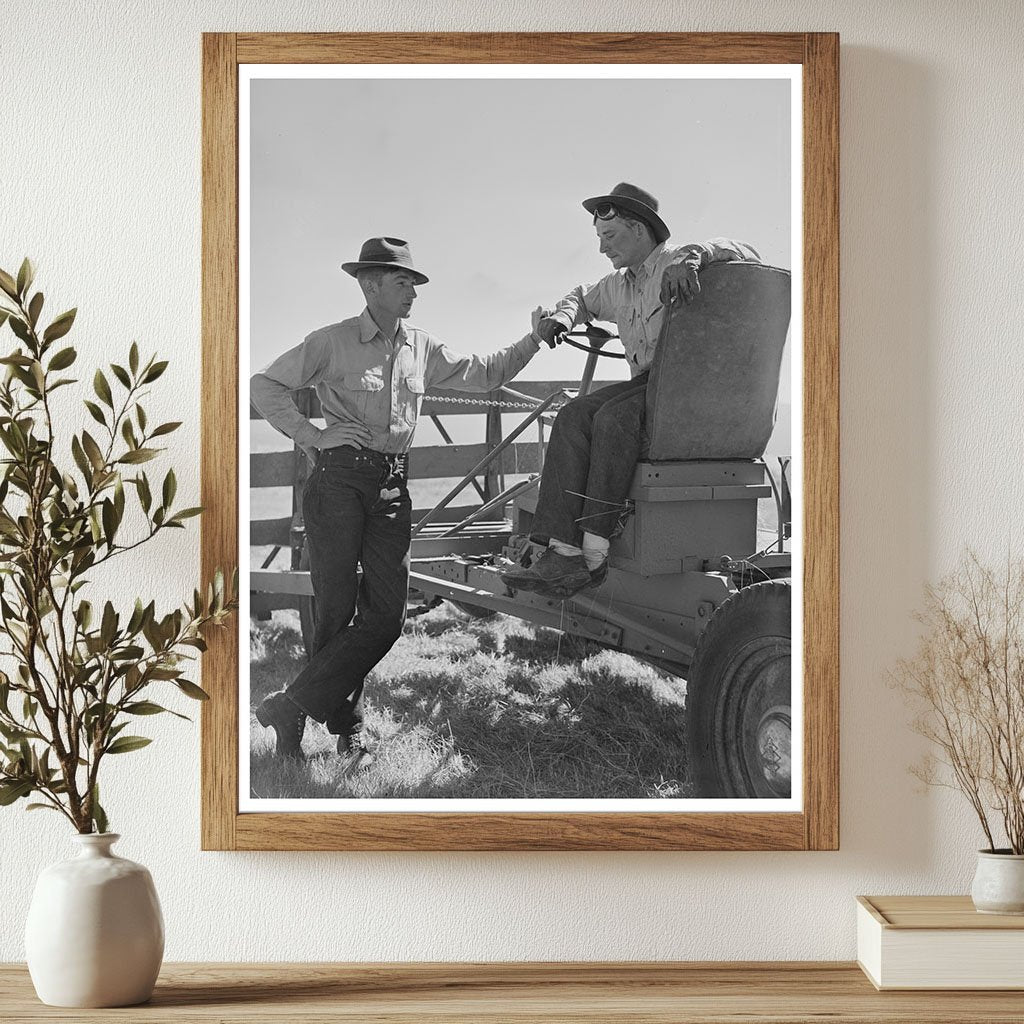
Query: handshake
{"x": 545, "y": 328}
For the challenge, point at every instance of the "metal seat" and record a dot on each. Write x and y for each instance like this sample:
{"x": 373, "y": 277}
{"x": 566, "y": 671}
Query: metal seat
{"x": 715, "y": 377}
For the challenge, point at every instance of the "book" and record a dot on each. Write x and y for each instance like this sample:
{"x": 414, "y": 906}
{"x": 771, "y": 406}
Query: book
{"x": 938, "y": 942}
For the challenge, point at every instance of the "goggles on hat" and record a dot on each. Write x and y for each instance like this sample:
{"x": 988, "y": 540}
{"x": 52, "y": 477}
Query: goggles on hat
{"x": 606, "y": 211}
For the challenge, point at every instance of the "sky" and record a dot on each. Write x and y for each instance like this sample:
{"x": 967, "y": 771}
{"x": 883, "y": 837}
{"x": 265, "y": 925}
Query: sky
{"x": 484, "y": 178}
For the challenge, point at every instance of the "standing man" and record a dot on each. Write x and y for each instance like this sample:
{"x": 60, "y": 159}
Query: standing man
{"x": 370, "y": 374}
{"x": 596, "y": 439}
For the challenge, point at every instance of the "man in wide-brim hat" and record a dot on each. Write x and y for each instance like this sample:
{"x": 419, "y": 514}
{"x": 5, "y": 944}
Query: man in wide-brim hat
{"x": 596, "y": 439}
{"x": 370, "y": 373}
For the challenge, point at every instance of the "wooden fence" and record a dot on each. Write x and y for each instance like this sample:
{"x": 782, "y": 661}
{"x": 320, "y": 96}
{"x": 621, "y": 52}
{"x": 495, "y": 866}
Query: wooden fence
{"x": 274, "y": 588}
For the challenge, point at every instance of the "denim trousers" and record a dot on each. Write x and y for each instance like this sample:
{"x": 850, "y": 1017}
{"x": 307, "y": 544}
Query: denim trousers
{"x": 591, "y": 457}
{"x": 357, "y": 512}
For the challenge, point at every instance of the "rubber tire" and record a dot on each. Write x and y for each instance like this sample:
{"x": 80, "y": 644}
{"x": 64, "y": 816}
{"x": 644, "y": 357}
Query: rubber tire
{"x": 740, "y": 680}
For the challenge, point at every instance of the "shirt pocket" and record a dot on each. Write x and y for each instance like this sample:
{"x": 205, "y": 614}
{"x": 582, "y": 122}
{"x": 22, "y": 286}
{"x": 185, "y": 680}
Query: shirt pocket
{"x": 411, "y": 395}
{"x": 362, "y": 390}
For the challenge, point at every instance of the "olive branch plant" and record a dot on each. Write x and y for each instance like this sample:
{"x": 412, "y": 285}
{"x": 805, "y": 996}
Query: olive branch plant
{"x": 967, "y": 682}
{"x": 80, "y": 673}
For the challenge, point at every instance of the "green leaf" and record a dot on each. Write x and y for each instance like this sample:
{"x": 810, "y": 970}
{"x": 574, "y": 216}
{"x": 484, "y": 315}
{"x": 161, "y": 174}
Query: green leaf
{"x": 164, "y": 673}
{"x": 140, "y": 415}
{"x": 135, "y": 622}
{"x": 26, "y": 275}
{"x": 35, "y": 308}
{"x": 95, "y": 412}
{"x": 11, "y": 791}
{"x": 99, "y": 816}
{"x": 12, "y": 733}
{"x": 109, "y": 521}
{"x": 16, "y": 359}
{"x": 81, "y": 461}
{"x": 143, "y": 707}
{"x": 133, "y": 358}
{"x": 60, "y": 326}
{"x": 128, "y": 433}
{"x": 145, "y": 497}
{"x": 8, "y": 284}
{"x": 102, "y": 388}
{"x": 165, "y": 428}
{"x": 121, "y": 374}
{"x": 42, "y": 807}
{"x": 154, "y": 371}
{"x": 125, "y": 744}
{"x": 108, "y": 627}
{"x": 130, "y": 653}
{"x": 84, "y": 614}
{"x": 191, "y": 690}
{"x": 63, "y": 359}
{"x": 138, "y": 455}
{"x": 170, "y": 488}
{"x": 92, "y": 449}
{"x": 185, "y": 513}
{"x": 20, "y": 329}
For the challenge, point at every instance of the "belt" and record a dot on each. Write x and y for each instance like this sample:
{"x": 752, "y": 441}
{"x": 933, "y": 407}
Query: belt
{"x": 394, "y": 462}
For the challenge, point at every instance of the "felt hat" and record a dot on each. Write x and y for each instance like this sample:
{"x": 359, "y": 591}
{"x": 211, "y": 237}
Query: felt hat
{"x": 635, "y": 201}
{"x": 392, "y": 253}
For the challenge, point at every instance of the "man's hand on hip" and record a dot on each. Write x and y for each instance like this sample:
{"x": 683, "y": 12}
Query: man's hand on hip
{"x": 347, "y": 432}
{"x": 680, "y": 283}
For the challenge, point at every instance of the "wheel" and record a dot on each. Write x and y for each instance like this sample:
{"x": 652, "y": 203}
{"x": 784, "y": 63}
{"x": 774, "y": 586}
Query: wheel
{"x": 738, "y": 697}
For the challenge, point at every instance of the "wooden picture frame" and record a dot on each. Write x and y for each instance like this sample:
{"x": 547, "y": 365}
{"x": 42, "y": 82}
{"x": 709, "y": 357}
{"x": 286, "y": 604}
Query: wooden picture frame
{"x": 816, "y": 826}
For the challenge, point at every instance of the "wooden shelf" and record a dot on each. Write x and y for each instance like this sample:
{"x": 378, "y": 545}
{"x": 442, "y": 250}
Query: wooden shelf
{"x": 637, "y": 993}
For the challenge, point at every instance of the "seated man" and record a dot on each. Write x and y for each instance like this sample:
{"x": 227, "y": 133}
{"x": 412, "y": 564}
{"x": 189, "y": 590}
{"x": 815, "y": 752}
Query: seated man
{"x": 596, "y": 438}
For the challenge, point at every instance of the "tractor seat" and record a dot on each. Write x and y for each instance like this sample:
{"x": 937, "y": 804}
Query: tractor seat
{"x": 711, "y": 402}
{"x": 715, "y": 377}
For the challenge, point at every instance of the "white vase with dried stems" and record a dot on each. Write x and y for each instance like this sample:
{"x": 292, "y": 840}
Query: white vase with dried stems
{"x": 966, "y": 682}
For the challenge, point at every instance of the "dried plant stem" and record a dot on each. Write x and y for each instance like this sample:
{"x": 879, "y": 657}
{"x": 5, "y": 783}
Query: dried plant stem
{"x": 967, "y": 682}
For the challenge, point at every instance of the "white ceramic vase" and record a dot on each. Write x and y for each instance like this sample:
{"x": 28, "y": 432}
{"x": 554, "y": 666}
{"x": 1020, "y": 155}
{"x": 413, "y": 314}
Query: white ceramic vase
{"x": 95, "y": 933}
{"x": 999, "y": 883}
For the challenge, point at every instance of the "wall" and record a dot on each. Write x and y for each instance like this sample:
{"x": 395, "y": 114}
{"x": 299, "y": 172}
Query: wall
{"x": 100, "y": 183}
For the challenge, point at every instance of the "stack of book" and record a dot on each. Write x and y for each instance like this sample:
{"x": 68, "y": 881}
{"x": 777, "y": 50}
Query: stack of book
{"x": 938, "y": 942}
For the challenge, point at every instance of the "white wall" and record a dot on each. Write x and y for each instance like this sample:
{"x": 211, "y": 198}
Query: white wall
{"x": 100, "y": 182}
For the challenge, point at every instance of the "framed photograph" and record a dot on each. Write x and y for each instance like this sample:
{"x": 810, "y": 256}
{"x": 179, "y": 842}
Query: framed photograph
{"x": 520, "y": 420}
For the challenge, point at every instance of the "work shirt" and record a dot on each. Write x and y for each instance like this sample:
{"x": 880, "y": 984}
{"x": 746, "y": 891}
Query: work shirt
{"x": 632, "y": 298}
{"x": 362, "y": 377}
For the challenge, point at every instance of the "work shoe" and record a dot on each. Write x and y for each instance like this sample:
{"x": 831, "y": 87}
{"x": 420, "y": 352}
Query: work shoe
{"x": 548, "y": 571}
{"x": 566, "y": 590}
{"x": 352, "y": 746}
{"x": 287, "y": 720}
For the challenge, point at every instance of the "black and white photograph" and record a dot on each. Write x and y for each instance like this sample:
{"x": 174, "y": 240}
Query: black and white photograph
{"x": 520, "y": 417}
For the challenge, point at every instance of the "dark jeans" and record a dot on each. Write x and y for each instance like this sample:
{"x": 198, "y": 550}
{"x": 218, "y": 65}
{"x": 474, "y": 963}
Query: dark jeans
{"x": 357, "y": 511}
{"x": 593, "y": 451}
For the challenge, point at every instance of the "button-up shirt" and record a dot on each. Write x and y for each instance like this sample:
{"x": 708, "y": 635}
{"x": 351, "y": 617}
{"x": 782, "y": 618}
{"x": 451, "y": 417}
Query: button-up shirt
{"x": 632, "y": 298}
{"x": 361, "y": 376}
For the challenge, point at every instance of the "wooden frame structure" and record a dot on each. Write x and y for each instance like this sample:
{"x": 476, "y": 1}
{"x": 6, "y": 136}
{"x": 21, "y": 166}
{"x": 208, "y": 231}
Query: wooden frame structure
{"x": 816, "y": 827}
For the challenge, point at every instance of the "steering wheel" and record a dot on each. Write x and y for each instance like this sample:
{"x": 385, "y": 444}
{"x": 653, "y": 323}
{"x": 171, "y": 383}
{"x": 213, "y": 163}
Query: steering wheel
{"x": 594, "y": 334}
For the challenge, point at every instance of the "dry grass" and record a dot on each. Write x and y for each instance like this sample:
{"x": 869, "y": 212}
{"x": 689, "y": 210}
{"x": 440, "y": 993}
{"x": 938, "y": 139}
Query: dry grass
{"x": 485, "y": 709}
